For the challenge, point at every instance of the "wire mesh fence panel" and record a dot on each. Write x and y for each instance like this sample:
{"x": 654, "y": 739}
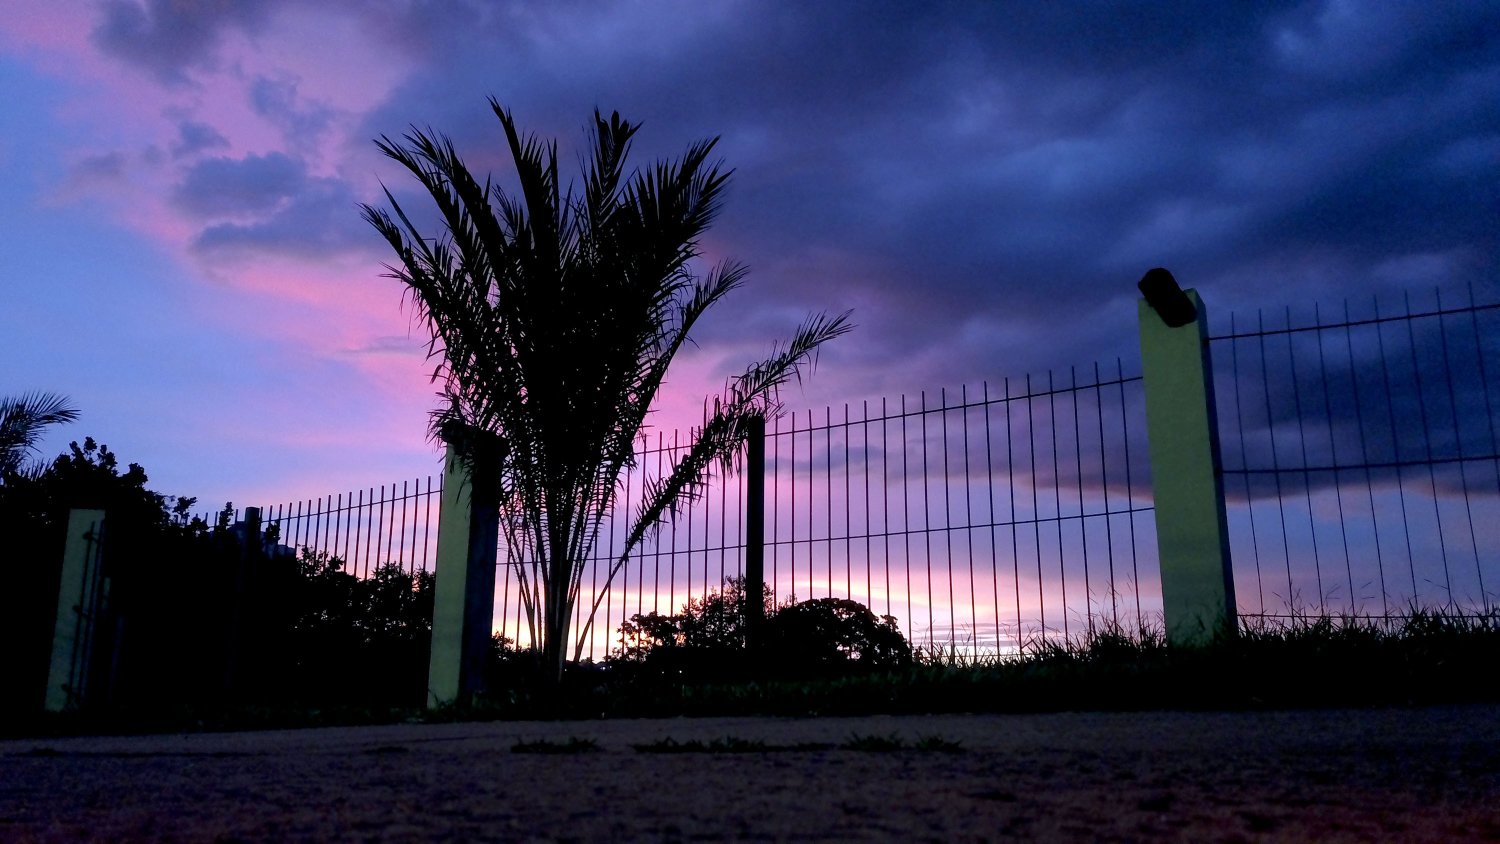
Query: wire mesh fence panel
{"x": 691, "y": 555}
{"x": 1361, "y": 468}
{"x": 980, "y": 519}
{"x": 393, "y": 524}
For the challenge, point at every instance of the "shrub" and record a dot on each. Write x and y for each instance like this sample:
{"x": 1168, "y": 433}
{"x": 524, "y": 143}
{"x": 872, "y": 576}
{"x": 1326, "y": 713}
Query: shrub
{"x": 833, "y": 635}
{"x": 706, "y": 641}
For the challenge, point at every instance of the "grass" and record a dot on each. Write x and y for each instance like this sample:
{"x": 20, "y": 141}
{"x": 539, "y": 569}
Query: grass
{"x": 875, "y": 744}
{"x": 1426, "y": 657}
{"x": 865, "y": 744}
{"x": 560, "y": 748}
{"x": 726, "y": 745}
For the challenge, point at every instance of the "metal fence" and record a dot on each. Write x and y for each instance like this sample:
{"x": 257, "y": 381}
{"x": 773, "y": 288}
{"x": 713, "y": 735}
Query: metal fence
{"x": 392, "y": 524}
{"x": 980, "y": 519}
{"x": 689, "y": 557}
{"x": 1361, "y": 467}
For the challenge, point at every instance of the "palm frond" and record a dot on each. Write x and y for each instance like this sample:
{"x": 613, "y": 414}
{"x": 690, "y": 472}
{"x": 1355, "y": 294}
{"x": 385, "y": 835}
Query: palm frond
{"x": 23, "y": 418}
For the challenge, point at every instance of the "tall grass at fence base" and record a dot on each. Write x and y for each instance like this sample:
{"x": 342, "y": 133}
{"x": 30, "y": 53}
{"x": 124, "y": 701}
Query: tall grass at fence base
{"x": 1425, "y": 657}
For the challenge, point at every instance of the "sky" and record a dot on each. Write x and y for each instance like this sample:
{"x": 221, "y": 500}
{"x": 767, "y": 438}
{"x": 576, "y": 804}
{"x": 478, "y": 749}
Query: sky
{"x": 181, "y": 251}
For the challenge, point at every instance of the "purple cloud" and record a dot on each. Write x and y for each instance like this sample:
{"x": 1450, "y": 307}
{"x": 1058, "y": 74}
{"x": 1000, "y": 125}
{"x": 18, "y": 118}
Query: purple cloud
{"x": 194, "y": 137}
{"x": 321, "y": 219}
{"x": 223, "y": 187}
{"x": 168, "y": 37}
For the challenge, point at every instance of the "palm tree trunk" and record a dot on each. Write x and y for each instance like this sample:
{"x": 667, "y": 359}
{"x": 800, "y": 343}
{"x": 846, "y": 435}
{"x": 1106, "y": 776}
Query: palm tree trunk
{"x": 559, "y": 607}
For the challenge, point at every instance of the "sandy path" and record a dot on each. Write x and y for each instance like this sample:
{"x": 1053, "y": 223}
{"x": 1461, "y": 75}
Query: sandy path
{"x": 1411, "y": 775}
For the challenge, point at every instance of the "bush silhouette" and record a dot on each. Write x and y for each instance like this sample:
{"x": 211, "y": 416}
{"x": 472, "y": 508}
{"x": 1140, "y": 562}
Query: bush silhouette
{"x": 191, "y": 620}
{"x": 833, "y": 635}
{"x": 707, "y": 641}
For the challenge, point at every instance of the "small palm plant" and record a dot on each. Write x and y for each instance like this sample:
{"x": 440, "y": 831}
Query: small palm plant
{"x": 554, "y": 315}
{"x": 22, "y": 420}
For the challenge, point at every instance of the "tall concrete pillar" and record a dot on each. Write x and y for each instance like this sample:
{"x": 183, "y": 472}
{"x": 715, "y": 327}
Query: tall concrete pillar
{"x": 79, "y": 596}
{"x": 1197, "y": 581}
{"x": 464, "y": 597}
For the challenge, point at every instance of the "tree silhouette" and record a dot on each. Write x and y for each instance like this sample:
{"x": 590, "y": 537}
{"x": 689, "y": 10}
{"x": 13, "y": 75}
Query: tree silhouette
{"x": 554, "y": 316}
{"x": 22, "y": 420}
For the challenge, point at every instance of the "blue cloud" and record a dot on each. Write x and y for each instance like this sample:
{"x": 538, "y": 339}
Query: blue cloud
{"x": 224, "y": 187}
{"x": 320, "y": 220}
{"x": 194, "y": 137}
{"x": 168, "y": 37}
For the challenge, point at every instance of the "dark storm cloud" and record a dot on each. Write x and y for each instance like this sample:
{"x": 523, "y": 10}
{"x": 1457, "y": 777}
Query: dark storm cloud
{"x": 256, "y": 184}
{"x": 169, "y": 37}
{"x": 1005, "y": 173}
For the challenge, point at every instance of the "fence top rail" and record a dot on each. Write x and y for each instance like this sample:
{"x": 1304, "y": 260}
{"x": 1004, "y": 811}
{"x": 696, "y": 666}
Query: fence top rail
{"x": 344, "y": 502}
{"x": 1348, "y": 323}
{"x": 660, "y": 442}
{"x": 1365, "y": 467}
{"x": 944, "y": 407}
{"x": 335, "y": 503}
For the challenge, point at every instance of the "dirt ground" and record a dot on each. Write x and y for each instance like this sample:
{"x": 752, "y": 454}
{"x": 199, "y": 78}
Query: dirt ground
{"x": 1365, "y": 775}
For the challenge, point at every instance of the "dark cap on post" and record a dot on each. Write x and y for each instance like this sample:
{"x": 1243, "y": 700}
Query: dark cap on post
{"x": 1161, "y": 292}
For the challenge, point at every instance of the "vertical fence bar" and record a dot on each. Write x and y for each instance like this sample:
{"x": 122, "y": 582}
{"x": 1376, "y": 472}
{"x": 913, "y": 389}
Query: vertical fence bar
{"x": 755, "y": 536}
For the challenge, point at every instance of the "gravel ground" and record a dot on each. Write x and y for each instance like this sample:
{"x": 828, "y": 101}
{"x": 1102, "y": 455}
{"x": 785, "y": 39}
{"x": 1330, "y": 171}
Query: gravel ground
{"x": 1356, "y": 775}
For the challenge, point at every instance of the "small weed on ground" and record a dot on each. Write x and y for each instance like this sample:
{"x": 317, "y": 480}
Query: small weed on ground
{"x": 875, "y": 744}
{"x": 572, "y": 745}
{"x": 727, "y": 745}
{"x": 937, "y": 744}
{"x": 864, "y": 744}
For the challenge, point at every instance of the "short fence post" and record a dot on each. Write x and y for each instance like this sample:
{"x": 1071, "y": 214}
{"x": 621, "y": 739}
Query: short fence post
{"x": 464, "y": 596}
{"x": 77, "y": 600}
{"x": 755, "y": 533}
{"x": 1197, "y": 581}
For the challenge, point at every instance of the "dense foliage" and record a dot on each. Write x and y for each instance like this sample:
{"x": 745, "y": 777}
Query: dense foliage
{"x": 152, "y": 532}
{"x": 195, "y": 616}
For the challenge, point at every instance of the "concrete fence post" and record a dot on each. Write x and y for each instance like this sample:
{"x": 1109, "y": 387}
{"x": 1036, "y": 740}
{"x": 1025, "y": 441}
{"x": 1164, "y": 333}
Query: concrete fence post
{"x": 464, "y": 597}
{"x": 1197, "y": 581}
{"x": 78, "y": 599}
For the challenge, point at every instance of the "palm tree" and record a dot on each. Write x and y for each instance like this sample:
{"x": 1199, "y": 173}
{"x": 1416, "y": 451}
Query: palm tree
{"x": 21, "y": 422}
{"x": 554, "y": 315}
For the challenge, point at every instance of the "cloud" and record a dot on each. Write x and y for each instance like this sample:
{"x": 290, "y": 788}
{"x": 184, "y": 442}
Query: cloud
{"x": 169, "y": 38}
{"x": 194, "y": 137}
{"x": 225, "y": 187}
{"x": 103, "y": 167}
{"x": 986, "y": 184}
{"x": 321, "y": 220}
{"x": 392, "y": 344}
{"x": 277, "y": 100}
{"x": 1016, "y": 159}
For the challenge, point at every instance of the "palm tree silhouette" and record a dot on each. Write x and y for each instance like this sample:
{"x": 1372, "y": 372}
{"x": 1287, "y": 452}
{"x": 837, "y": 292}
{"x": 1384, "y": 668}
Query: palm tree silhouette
{"x": 554, "y": 316}
{"x": 22, "y": 420}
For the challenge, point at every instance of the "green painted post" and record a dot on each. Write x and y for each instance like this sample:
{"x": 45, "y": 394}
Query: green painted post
{"x": 464, "y": 600}
{"x": 1197, "y": 581}
{"x": 77, "y": 597}
{"x": 443, "y": 674}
